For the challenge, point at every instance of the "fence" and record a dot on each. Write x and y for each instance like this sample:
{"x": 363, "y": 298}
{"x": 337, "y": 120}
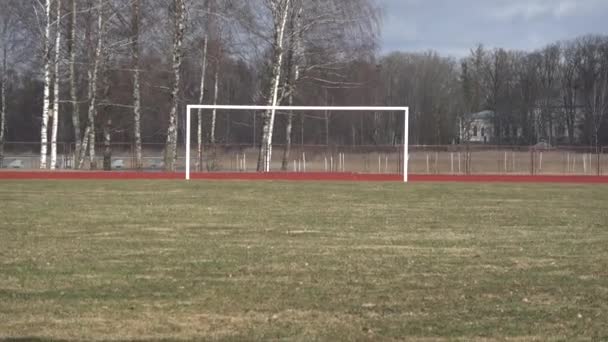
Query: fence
{"x": 447, "y": 159}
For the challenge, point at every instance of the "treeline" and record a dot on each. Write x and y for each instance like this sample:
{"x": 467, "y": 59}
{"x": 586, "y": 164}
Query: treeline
{"x": 96, "y": 71}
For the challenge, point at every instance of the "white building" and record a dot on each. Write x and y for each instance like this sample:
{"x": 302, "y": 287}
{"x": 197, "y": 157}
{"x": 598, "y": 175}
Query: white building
{"x": 479, "y": 128}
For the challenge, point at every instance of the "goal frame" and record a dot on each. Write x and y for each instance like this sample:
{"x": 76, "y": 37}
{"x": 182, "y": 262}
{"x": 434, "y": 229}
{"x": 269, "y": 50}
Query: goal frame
{"x": 405, "y": 110}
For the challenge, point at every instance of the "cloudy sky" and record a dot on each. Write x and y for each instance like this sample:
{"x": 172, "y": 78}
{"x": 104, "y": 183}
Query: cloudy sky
{"x": 453, "y": 27}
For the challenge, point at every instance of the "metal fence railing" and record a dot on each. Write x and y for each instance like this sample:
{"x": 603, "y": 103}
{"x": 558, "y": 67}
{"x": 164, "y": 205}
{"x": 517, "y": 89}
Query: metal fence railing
{"x": 444, "y": 159}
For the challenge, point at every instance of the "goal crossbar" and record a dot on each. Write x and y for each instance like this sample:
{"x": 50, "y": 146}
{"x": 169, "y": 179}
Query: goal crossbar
{"x": 405, "y": 111}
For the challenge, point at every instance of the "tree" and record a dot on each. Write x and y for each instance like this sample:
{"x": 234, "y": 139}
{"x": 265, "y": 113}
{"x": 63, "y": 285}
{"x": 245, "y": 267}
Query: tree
{"x": 9, "y": 43}
{"x": 72, "y": 50}
{"x": 548, "y": 71}
{"x": 93, "y": 80}
{"x": 201, "y": 98}
{"x": 47, "y": 85}
{"x": 280, "y": 13}
{"x": 55, "y": 111}
{"x": 593, "y": 73}
{"x": 135, "y": 19}
{"x": 569, "y": 86}
{"x": 179, "y": 22}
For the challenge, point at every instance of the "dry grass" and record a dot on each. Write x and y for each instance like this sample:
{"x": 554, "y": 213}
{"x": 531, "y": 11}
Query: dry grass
{"x": 302, "y": 261}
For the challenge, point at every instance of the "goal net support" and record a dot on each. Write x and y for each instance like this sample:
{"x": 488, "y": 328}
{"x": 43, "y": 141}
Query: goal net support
{"x": 404, "y": 110}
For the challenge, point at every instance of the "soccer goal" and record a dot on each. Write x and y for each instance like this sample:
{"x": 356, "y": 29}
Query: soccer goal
{"x": 332, "y": 163}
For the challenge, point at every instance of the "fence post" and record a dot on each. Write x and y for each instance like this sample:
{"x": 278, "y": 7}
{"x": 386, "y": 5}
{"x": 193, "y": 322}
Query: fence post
{"x": 584, "y": 163}
{"x": 436, "y": 159}
{"x": 531, "y": 161}
{"x": 452, "y": 162}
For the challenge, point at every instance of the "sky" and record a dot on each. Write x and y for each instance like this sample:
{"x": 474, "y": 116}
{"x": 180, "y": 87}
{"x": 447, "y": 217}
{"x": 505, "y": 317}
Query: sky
{"x": 453, "y": 27}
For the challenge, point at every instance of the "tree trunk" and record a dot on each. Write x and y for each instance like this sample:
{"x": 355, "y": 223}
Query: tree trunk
{"x": 215, "y": 95}
{"x": 288, "y": 129}
{"x": 56, "y": 90}
{"x": 47, "y": 87}
{"x": 136, "y": 83}
{"x": 201, "y": 99}
{"x": 171, "y": 145}
{"x": 83, "y": 147}
{"x": 281, "y": 14}
{"x": 3, "y": 106}
{"x": 293, "y": 59}
{"x": 93, "y": 74}
{"x": 73, "y": 91}
{"x": 107, "y": 144}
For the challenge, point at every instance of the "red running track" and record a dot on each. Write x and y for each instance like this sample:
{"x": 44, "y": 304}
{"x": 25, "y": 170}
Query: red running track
{"x": 309, "y": 176}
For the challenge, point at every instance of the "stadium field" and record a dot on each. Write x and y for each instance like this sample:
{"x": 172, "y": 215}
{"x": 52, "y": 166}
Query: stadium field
{"x": 243, "y": 260}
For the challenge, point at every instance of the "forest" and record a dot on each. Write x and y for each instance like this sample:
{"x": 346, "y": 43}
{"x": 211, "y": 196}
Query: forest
{"x": 98, "y": 72}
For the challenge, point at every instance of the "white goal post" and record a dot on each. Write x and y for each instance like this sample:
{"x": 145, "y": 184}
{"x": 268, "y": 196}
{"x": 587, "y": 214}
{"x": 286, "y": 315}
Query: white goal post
{"x": 405, "y": 111}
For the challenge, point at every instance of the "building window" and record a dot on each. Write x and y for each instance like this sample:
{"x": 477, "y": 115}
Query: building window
{"x": 483, "y": 131}
{"x": 474, "y": 131}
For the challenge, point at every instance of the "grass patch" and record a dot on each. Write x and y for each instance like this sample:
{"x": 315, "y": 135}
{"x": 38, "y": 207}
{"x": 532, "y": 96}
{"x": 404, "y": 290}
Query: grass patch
{"x": 163, "y": 260}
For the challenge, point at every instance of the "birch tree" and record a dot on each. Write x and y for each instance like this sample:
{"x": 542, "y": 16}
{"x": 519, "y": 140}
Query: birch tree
{"x": 293, "y": 61}
{"x": 3, "y": 82}
{"x": 201, "y": 99}
{"x": 6, "y": 25}
{"x": 93, "y": 75}
{"x": 47, "y": 86}
{"x": 280, "y": 13}
{"x": 179, "y": 18}
{"x": 71, "y": 51}
{"x": 215, "y": 97}
{"x": 135, "y": 19}
{"x": 56, "y": 76}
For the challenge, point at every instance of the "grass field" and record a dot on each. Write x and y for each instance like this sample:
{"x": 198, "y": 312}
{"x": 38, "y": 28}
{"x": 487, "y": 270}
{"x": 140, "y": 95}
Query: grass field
{"x": 164, "y": 260}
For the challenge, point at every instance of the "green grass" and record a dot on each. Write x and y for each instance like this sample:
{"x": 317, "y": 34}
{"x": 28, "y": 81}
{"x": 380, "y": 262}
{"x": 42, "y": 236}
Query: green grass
{"x": 303, "y": 261}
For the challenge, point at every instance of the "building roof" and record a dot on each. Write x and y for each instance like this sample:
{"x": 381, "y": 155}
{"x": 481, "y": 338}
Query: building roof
{"x": 483, "y": 115}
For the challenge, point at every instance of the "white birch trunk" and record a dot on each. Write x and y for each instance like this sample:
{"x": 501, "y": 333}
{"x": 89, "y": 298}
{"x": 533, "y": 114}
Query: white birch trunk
{"x": 93, "y": 74}
{"x": 47, "y": 87}
{"x": 73, "y": 90}
{"x": 199, "y": 133}
{"x": 215, "y": 95}
{"x": 107, "y": 145}
{"x": 3, "y": 106}
{"x": 171, "y": 145}
{"x": 56, "y": 90}
{"x": 3, "y": 82}
{"x": 136, "y": 85}
{"x": 83, "y": 148}
{"x": 281, "y": 14}
{"x": 295, "y": 59}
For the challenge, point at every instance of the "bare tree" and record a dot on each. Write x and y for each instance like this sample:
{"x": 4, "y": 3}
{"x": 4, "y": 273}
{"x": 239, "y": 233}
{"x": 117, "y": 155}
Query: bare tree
{"x": 293, "y": 62}
{"x": 280, "y": 13}
{"x": 135, "y": 19}
{"x": 71, "y": 47}
{"x": 179, "y": 18}
{"x": 548, "y": 68}
{"x": 201, "y": 99}
{"x": 6, "y": 25}
{"x": 93, "y": 76}
{"x": 3, "y": 82}
{"x": 593, "y": 73}
{"x": 56, "y": 76}
{"x": 216, "y": 82}
{"x": 47, "y": 86}
{"x": 569, "y": 90}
